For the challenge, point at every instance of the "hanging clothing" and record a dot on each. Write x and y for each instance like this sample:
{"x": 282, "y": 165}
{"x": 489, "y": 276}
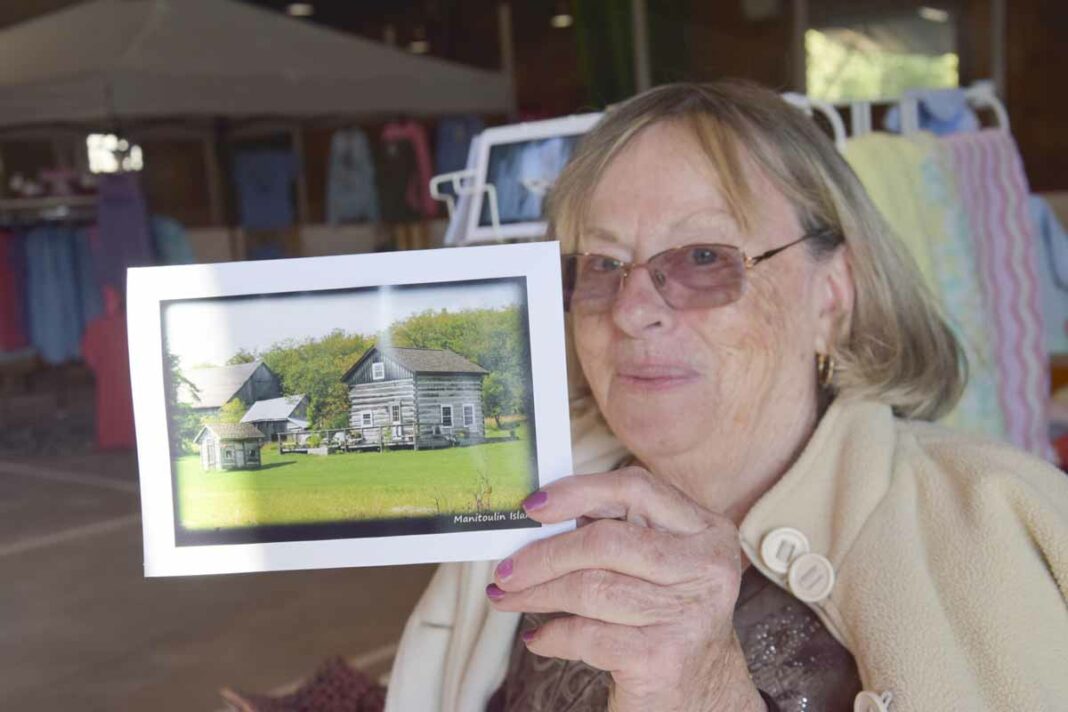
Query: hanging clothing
{"x": 994, "y": 192}
{"x": 911, "y": 182}
{"x": 1051, "y": 245}
{"x": 105, "y": 349}
{"x": 172, "y": 244}
{"x": 941, "y": 111}
{"x": 417, "y": 189}
{"x": 396, "y": 169}
{"x": 351, "y": 192}
{"x": 264, "y": 179}
{"x": 52, "y": 289}
{"x": 13, "y": 336}
{"x": 121, "y": 239}
{"x": 453, "y": 139}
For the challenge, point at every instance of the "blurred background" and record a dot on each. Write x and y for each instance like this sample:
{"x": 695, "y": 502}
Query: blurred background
{"x": 138, "y": 132}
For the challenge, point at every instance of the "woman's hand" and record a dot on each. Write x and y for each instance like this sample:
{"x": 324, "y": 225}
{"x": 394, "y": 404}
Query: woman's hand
{"x": 651, "y": 579}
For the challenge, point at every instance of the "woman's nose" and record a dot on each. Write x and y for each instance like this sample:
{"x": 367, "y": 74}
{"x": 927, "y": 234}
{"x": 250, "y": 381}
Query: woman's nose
{"x": 638, "y": 306}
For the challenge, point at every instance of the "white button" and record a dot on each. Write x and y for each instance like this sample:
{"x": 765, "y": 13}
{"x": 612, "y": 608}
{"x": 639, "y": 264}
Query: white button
{"x": 781, "y": 546}
{"x": 871, "y": 702}
{"x": 811, "y": 577}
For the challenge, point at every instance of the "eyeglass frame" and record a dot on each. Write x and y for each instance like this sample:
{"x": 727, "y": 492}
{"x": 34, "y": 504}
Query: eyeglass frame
{"x": 747, "y": 262}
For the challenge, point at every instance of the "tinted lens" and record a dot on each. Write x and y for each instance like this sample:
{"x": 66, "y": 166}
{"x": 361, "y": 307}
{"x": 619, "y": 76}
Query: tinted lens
{"x": 699, "y": 275}
{"x": 590, "y": 282}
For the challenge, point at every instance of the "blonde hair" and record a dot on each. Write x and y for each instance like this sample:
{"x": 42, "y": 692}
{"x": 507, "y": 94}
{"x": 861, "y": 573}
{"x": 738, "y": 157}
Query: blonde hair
{"x": 895, "y": 346}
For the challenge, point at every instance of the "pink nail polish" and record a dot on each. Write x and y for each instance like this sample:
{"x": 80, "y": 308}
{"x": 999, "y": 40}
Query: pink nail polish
{"x": 494, "y": 592}
{"x": 528, "y": 635}
{"x": 536, "y": 500}
{"x": 504, "y": 569}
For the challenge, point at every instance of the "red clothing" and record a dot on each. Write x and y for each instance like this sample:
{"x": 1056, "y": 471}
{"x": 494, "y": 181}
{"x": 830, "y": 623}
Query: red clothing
{"x": 12, "y": 326}
{"x": 105, "y": 350}
{"x": 418, "y": 194}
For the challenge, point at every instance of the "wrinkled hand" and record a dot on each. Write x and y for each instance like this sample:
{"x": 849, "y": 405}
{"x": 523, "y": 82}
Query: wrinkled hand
{"x": 650, "y": 578}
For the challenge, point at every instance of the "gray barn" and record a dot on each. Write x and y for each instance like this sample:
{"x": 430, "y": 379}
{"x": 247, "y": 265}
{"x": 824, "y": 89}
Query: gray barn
{"x": 215, "y": 387}
{"x": 287, "y": 414}
{"x": 417, "y": 398}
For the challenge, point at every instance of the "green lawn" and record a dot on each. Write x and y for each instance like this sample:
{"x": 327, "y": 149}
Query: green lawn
{"x": 298, "y": 489}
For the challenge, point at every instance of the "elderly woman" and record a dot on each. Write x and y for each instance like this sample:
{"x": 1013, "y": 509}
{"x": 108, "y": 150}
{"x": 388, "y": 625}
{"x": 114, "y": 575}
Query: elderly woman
{"x": 766, "y": 519}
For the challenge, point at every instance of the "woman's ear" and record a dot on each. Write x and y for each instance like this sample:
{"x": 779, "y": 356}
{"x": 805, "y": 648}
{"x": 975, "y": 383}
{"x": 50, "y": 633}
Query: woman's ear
{"x": 835, "y": 296}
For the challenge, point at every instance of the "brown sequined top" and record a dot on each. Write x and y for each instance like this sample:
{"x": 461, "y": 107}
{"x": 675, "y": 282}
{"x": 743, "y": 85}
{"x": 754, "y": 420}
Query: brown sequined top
{"x": 790, "y": 654}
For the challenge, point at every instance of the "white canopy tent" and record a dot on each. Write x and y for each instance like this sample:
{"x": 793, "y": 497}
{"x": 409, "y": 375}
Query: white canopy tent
{"x": 124, "y": 60}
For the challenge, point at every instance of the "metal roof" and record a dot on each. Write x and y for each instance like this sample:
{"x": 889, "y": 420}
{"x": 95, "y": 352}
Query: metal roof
{"x": 231, "y": 431}
{"x": 273, "y": 409}
{"x": 216, "y": 386}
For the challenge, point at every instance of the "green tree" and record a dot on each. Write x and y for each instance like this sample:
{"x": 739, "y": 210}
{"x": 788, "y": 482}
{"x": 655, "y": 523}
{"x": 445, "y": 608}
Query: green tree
{"x": 232, "y": 412}
{"x": 184, "y": 422}
{"x": 242, "y": 356}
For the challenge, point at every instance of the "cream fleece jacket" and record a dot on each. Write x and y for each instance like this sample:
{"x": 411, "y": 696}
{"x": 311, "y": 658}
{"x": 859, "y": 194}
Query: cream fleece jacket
{"x": 950, "y": 556}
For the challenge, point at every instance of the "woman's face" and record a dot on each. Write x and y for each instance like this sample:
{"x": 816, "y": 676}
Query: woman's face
{"x": 674, "y": 381}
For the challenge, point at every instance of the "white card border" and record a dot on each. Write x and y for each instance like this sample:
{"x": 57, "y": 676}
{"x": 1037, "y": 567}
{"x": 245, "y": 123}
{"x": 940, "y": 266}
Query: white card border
{"x": 147, "y": 287}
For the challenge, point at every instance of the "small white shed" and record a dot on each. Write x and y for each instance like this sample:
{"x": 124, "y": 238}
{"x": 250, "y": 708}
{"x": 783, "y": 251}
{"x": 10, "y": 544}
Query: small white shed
{"x": 229, "y": 446}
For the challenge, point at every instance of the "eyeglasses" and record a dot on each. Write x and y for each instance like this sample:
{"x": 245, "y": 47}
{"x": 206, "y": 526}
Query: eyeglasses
{"x": 687, "y": 277}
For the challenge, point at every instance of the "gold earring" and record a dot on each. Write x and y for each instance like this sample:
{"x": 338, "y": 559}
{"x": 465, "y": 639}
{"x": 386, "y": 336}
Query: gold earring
{"x": 825, "y": 367}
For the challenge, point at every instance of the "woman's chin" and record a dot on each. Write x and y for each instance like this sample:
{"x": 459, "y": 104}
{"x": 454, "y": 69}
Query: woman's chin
{"x": 661, "y": 421}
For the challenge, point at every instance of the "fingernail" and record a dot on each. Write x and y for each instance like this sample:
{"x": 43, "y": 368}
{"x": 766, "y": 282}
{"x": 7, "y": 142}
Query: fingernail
{"x": 494, "y": 592}
{"x": 528, "y": 635}
{"x": 536, "y": 500}
{"x": 504, "y": 569}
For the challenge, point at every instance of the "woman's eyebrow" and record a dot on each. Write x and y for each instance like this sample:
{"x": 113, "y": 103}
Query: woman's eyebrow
{"x": 601, "y": 233}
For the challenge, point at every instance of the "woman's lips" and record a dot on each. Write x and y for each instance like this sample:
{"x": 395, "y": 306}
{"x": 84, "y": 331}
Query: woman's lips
{"x": 655, "y": 377}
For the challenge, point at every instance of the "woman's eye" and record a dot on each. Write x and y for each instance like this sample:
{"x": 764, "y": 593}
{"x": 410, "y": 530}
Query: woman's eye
{"x": 703, "y": 256}
{"x": 600, "y": 263}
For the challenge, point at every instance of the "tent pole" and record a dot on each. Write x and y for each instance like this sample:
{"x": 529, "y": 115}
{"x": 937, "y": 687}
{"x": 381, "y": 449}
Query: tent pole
{"x": 297, "y": 134}
{"x": 211, "y": 166}
{"x": 504, "y": 28}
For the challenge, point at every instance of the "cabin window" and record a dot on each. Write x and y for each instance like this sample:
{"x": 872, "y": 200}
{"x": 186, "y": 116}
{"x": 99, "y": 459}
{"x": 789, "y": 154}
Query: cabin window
{"x": 367, "y": 418}
{"x": 469, "y": 415}
{"x": 253, "y": 454}
{"x": 378, "y": 371}
{"x": 228, "y": 454}
{"x": 446, "y": 416}
{"x": 395, "y": 413}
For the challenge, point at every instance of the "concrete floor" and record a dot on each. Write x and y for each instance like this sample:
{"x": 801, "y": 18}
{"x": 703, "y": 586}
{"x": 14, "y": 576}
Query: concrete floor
{"x": 80, "y": 628}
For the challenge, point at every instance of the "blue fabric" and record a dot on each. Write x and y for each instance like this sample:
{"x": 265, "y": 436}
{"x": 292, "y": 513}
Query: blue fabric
{"x": 351, "y": 192}
{"x": 454, "y": 134}
{"x": 170, "y": 240}
{"x": 942, "y": 112}
{"x": 264, "y": 188}
{"x": 90, "y": 296}
{"x": 53, "y": 293}
{"x": 122, "y": 229}
{"x": 1051, "y": 247}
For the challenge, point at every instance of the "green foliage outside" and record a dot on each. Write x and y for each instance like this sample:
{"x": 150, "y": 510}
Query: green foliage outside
{"x": 837, "y": 71}
{"x": 185, "y": 422}
{"x": 231, "y": 412}
{"x": 315, "y": 441}
{"x": 292, "y": 489}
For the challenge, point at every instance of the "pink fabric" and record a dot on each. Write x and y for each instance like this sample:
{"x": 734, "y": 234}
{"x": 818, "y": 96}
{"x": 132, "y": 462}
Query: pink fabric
{"x": 419, "y": 189}
{"x": 994, "y": 190}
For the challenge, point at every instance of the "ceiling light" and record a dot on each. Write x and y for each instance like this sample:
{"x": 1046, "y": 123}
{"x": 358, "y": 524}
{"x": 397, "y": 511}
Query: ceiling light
{"x": 562, "y": 21}
{"x": 300, "y": 9}
{"x": 934, "y": 14}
